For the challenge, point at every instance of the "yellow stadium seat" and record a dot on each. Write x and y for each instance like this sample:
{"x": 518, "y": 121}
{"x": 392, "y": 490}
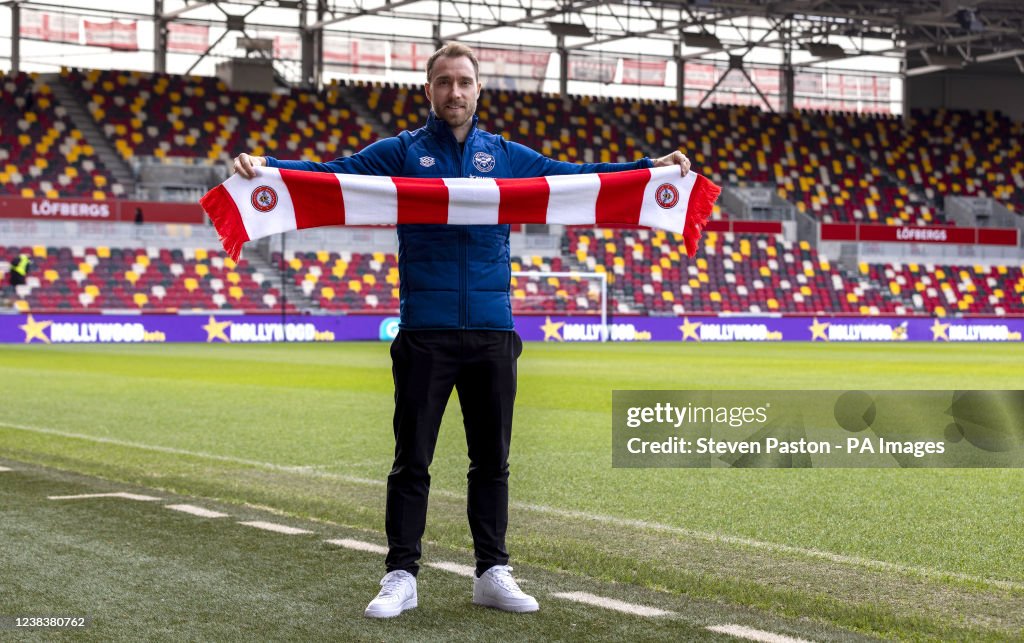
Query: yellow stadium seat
{"x": 355, "y": 285}
{"x": 327, "y": 293}
{"x": 140, "y": 299}
{"x": 131, "y": 276}
{"x": 234, "y": 278}
{"x": 202, "y": 269}
{"x": 92, "y": 290}
{"x": 191, "y": 284}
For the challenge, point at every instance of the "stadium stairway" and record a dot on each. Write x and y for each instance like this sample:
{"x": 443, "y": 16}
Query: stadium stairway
{"x": 120, "y": 171}
{"x": 358, "y": 105}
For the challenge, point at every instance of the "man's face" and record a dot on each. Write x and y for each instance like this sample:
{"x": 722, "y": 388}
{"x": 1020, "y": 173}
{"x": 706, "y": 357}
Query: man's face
{"x": 453, "y": 90}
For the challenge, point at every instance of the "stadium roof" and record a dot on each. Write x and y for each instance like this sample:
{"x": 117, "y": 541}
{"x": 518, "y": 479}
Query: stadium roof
{"x": 923, "y": 35}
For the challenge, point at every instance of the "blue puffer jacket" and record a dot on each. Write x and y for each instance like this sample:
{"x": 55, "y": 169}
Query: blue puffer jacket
{"x": 453, "y": 277}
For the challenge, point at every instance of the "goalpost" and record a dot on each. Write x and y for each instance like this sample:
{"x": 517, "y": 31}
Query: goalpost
{"x": 599, "y": 278}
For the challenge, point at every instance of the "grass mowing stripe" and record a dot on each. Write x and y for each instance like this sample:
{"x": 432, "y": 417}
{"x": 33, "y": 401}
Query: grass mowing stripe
{"x": 358, "y": 545}
{"x": 454, "y": 568}
{"x": 749, "y": 633}
{"x": 777, "y": 548}
{"x": 175, "y": 451}
{"x": 118, "y": 494}
{"x": 611, "y": 603}
{"x": 150, "y": 582}
{"x": 196, "y": 511}
{"x": 713, "y": 537}
{"x": 275, "y": 527}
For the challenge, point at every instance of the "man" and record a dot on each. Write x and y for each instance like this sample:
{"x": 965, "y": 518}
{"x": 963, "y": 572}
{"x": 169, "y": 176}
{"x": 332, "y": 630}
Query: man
{"x": 19, "y": 270}
{"x": 456, "y": 328}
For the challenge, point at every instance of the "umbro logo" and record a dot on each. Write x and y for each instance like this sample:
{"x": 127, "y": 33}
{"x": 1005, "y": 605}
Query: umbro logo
{"x": 427, "y": 161}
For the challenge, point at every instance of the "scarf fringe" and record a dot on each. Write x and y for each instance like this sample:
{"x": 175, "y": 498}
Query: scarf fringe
{"x": 226, "y": 219}
{"x": 702, "y": 203}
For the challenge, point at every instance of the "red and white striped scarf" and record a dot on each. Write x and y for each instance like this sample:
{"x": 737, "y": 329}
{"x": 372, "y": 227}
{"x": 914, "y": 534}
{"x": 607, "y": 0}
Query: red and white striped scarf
{"x": 279, "y": 200}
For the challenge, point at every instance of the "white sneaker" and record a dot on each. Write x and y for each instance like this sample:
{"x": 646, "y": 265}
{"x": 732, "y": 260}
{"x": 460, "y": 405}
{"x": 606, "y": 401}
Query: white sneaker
{"x": 497, "y": 589}
{"x": 397, "y": 594}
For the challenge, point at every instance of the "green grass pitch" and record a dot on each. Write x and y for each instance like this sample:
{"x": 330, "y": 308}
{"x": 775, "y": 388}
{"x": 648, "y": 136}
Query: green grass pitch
{"x": 303, "y": 433}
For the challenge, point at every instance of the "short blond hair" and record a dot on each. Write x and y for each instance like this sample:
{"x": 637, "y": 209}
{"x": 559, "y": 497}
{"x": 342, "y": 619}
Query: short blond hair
{"x": 453, "y": 50}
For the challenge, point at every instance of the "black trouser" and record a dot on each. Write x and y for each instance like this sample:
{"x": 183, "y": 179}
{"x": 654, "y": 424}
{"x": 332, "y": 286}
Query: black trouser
{"x": 481, "y": 365}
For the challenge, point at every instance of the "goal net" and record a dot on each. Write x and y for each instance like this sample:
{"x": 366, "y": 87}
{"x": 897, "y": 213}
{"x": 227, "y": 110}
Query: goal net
{"x": 570, "y": 293}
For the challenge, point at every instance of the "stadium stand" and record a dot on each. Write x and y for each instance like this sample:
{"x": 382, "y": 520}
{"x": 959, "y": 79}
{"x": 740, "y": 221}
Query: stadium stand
{"x": 147, "y": 279}
{"x": 209, "y": 120}
{"x": 41, "y": 153}
{"x": 833, "y": 167}
{"x": 649, "y": 272}
{"x": 833, "y": 177}
{"x": 945, "y": 152}
{"x": 344, "y": 281}
{"x": 944, "y": 289}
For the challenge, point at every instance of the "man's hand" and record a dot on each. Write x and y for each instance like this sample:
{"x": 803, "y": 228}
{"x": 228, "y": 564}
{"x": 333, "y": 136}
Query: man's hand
{"x": 675, "y": 158}
{"x": 246, "y": 165}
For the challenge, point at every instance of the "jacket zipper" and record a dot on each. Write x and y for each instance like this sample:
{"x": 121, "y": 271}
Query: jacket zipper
{"x": 463, "y": 243}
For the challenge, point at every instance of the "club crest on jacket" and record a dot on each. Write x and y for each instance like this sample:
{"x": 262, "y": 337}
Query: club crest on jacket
{"x": 427, "y": 161}
{"x": 483, "y": 161}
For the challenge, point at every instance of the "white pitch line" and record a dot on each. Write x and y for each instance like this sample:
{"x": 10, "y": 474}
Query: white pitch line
{"x": 362, "y": 545}
{"x": 5, "y": 469}
{"x": 454, "y": 568}
{"x": 119, "y": 494}
{"x": 713, "y": 537}
{"x": 612, "y": 604}
{"x": 358, "y": 545}
{"x": 750, "y": 634}
{"x": 273, "y": 526}
{"x": 197, "y": 511}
